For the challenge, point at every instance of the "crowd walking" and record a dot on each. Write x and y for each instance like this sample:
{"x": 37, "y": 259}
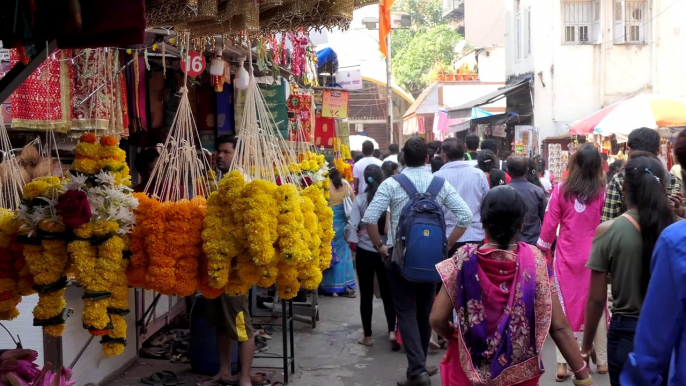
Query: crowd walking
{"x": 523, "y": 257}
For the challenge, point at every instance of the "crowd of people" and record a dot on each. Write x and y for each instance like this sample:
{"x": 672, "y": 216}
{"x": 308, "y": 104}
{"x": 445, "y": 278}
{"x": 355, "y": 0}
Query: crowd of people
{"x": 527, "y": 255}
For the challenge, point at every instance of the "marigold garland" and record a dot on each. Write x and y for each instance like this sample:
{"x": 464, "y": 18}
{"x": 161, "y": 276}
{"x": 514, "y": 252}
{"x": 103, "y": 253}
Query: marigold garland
{"x": 15, "y": 280}
{"x": 260, "y": 219}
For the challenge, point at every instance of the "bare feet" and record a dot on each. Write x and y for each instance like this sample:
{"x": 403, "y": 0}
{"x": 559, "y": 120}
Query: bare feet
{"x": 366, "y": 341}
{"x": 433, "y": 345}
{"x": 602, "y": 369}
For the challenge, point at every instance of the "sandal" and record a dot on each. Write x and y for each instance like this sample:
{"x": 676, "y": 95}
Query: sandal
{"x": 562, "y": 372}
{"x": 349, "y": 294}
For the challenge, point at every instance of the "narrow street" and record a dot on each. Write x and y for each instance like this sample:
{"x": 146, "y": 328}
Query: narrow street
{"x": 330, "y": 356}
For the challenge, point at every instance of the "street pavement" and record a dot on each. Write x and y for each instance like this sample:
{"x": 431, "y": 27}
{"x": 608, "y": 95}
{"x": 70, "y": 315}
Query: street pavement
{"x": 329, "y": 355}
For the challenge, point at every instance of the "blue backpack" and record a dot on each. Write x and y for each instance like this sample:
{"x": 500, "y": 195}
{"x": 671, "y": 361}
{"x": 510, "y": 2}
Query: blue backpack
{"x": 420, "y": 242}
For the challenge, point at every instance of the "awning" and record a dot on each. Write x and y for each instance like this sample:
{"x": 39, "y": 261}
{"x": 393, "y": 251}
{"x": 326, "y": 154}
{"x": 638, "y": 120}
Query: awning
{"x": 465, "y": 110}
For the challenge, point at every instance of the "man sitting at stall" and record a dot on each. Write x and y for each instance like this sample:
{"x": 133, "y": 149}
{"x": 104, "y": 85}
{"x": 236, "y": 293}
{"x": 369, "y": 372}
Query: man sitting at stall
{"x": 230, "y": 315}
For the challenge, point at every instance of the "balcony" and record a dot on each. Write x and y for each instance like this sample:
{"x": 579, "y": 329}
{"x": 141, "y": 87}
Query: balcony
{"x": 453, "y": 9}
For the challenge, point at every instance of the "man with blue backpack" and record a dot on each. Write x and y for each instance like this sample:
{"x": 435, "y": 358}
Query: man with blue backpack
{"x": 417, "y": 241}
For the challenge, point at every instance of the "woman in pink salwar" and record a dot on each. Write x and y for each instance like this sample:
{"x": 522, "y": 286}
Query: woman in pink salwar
{"x": 504, "y": 298}
{"x": 576, "y": 206}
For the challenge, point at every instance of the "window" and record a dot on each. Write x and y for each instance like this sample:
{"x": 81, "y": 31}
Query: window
{"x": 518, "y": 31}
{"x": 578, "y": 21}
{"x": 528, "y": 30}
{"x": 630, "y": 20}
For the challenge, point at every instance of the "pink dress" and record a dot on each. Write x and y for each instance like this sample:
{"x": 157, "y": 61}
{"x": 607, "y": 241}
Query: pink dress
{"x": 578, "y": 221}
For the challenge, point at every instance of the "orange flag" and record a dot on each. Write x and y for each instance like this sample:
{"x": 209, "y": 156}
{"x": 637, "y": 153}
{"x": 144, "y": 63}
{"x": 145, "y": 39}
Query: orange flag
{"x": 384, "y": 24}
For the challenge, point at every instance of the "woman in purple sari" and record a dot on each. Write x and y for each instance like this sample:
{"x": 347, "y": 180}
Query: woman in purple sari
{"x": 503, "y": 295}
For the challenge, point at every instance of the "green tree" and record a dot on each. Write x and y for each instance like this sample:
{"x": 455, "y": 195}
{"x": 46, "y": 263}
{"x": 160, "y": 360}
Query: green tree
{"x": 428, "y": 44}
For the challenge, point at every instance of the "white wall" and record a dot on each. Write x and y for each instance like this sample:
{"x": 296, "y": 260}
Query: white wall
{"x": 580, "y": 79}
{"x": 484, "y": 22}
{"x": 31, "y": 337}
{"x": 492, "y": 64}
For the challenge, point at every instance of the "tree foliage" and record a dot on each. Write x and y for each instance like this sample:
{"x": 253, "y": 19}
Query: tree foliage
{"x": 429, "y": 43}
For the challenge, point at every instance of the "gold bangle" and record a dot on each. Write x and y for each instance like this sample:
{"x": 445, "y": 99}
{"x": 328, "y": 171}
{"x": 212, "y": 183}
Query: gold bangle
{"x": 583, "y": 382}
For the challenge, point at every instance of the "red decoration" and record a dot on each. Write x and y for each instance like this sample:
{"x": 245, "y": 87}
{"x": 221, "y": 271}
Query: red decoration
{"x": 301, "y": 107}
{"x": 324, "y": 132}
{"x": 74, "y": 208}
{"x": 196, "y": 64}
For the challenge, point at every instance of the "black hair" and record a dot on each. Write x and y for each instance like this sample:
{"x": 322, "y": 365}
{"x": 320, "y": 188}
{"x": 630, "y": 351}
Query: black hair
{"x": 644, "y": 139}
{"x": 435, "y": 146}
{"x": 389, "y": 168}
{"x": 531, "y": 174}
{"x": 585, "y": 179}
{"x": 489, "y": 144}
{"x": 472, "y": 142}
{"x": 373, "y": 177}
{"x": 144, "y": 158}
{"x": 394, "y": 148}
{"x": 486, "y": 161}
{"x": 335, "y": 176}
{"x": 540, "y": 167}
{"x": 614, "y": 168}
{"x": 377, "y": 154}
{"x": 367, "y": 148}
{"x": 517, "y": 166}
{"x": 496, "y": 178}
{"x": 222, "y": 139}
{"x": 401, "y": 159}
{"x": 680, "y": 149}
{"x": 504, "y": 155}
{"x": 502, "y": 215}
{"x": 415, "y": 151}
{"x": 644, "y": 186}
{"x": 436, "y": 164}
{"x": 453, "y": 149}
{"x": 357, "y": 157}
{"x": 604, "y": 156}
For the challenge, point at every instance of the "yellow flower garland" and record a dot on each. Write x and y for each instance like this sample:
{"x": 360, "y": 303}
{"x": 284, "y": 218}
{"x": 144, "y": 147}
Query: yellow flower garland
{"x": 290, "y": 223}
{"x": 325, "y": 226}
{"x": 260, "y": 220}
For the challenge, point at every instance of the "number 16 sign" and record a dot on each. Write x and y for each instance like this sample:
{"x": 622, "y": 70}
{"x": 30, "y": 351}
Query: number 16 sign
{"x": 195, "y": 65}
{"x": 335, "y": 104}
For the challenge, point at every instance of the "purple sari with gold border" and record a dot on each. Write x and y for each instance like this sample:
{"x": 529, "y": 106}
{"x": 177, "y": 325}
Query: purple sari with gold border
{"x": 503, "y": 304}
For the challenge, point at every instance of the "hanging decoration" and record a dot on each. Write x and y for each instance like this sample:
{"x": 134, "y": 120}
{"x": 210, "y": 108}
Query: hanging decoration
{"x": 43, "y": 233}
{"x": 265, "y": 224}
{"x": 12, "y": 175}
{"x": 174, "y": 204}
{"x": 98, "y": 206}
{"x": 15, "y": 278}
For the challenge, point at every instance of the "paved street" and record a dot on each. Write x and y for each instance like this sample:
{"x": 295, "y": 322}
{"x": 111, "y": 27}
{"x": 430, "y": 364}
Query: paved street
{"x": 329, "y": 355}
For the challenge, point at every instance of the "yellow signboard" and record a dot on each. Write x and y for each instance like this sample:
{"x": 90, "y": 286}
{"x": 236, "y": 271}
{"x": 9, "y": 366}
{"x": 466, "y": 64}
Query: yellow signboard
{"x": 335, "y": 104}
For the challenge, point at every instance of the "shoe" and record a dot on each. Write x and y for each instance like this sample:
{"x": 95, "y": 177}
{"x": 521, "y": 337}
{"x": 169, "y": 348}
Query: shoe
{"x": 260, "y": 344}
{"x": 422, "y": 379}
{"x": 432, "y": 370}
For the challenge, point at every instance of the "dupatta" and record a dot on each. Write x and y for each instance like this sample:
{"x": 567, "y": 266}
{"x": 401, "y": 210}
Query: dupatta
{"x": 498, "y": 342}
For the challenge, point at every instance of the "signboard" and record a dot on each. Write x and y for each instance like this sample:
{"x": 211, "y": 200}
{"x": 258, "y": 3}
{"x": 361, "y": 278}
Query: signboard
{"x": 524, "y": 139}
{"x": 196, "y": 64}
{"x": 275, "y": 97}
{"x": 350, "y": 79}
{"x": 5, "y": 55}
{"x": 335, "y": 104}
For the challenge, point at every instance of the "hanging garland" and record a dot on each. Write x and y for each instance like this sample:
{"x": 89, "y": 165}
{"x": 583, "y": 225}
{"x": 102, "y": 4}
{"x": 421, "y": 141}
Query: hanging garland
{"x": 15, "y": 278}
{"x": 100, "y": 183}
{"x": 42, "y": 231}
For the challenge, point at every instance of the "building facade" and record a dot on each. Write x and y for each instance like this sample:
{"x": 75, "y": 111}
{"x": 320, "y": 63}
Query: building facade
{"x": 586, "y": 54}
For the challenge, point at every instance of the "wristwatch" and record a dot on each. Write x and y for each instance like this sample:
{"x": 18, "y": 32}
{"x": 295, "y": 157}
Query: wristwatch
{"x": 377, "y": 247}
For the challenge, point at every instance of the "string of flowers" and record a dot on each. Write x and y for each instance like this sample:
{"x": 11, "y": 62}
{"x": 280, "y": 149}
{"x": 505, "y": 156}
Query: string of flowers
{"x": 42, "y": 231}
{"x": 98, "y": 206}
{"x": 15, "y": 278}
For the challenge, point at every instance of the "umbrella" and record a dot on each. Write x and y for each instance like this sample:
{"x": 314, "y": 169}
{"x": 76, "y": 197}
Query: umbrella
{"x": 645, "y": 110}
{"x": 357, "y": 140}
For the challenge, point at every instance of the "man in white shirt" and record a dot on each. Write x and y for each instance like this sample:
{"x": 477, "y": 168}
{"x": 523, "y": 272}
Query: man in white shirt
{"x": 470, "y": 183}
{"x": 358, "y": 170}
{"x": 394, "y": 149}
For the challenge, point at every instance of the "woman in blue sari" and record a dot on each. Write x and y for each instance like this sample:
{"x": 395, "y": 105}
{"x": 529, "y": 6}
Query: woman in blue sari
{"x": 339, "y": 278}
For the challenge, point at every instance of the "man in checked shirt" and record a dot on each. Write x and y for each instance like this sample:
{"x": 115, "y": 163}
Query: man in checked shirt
{"x": 643, "y": 140}
{"x": 413, "y": 301}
